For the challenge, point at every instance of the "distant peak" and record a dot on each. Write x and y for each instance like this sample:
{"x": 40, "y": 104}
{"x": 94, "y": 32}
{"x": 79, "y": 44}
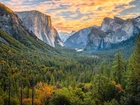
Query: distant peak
{"x": 73, "y": 31}
{"x": 137, "y": 17}
{"x": 115, "y": 17}
{"x": 119, "y": 20}
{"x": 107, "y": 18}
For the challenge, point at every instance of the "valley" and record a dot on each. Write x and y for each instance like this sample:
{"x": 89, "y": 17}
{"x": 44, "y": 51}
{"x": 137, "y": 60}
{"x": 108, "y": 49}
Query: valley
{"x": 98, "y": 65}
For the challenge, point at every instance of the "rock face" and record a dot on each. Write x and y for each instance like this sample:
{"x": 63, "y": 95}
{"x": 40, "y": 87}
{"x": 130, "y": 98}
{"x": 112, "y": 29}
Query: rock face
{"x": 78, "y": 39}
{"x": 109, "y": 25}
{"x": 111, "y": 31}
{"x": 96, "y": 35}
{"x": 41, "y": 25}
{"x": 11, "y": 23}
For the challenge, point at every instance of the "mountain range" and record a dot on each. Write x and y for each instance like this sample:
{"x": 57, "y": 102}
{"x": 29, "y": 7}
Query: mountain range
{"x": 111, "y": 32}
{"x": 34, "y": 30}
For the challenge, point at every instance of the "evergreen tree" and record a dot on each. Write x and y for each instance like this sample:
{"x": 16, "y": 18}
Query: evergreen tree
{"x": 118, "y": 66}
{"x": 133, "y": 88}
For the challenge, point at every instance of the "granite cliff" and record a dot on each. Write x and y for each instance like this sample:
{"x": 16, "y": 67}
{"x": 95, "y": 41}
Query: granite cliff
{"x": 41, "y": 25}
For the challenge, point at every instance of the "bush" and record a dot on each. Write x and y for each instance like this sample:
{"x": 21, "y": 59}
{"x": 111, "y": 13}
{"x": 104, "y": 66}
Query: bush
{"x": 66, "y": 96}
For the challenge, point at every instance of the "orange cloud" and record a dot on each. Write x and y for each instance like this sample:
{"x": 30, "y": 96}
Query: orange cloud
{"x": 85, "y": 14}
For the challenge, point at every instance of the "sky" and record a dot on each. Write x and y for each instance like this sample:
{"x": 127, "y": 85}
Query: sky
{"x": 73, "y": 15}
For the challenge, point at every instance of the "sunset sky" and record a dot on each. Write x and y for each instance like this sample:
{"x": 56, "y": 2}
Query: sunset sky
{"x": 68, "y": 15}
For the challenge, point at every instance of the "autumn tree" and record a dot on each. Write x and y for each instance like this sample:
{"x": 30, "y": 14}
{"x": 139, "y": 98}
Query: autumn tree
{"x": 44, "y": 92}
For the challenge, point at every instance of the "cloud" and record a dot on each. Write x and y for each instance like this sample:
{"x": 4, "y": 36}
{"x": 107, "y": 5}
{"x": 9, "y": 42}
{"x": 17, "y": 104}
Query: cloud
{"x": 94, "y": 12}
{"x": 75, "y": 14}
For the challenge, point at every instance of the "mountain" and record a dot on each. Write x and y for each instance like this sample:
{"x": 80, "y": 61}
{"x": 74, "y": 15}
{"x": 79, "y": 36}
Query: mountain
{"x": 111, "y": 32}
{"x": 41, "y": 25}
{"x": 11, "y": 23}
{"x": 13, "y": 26}
{"x": 65, "y": 35}
{"x": 78, "y": 39}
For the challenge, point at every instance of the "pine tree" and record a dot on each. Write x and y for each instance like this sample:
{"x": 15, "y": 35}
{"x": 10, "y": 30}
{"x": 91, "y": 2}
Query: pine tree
{"x": 118, "y": 66}
{"x": 136, "y": 60}
{"x": 133, "y": 87}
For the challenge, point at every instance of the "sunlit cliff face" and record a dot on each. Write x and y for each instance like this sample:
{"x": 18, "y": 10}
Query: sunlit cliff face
{"x": 77, "y": 14}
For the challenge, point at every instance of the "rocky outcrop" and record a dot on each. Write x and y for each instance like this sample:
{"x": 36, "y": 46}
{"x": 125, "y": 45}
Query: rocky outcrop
{"x": 11, "y": 23}
{"x": 137, "y": 22}
{"x": 109, "y": 25}
{"x": 97, "y": 36}
{"x": 41, "y": 25}
{"x": 78, "y": 39}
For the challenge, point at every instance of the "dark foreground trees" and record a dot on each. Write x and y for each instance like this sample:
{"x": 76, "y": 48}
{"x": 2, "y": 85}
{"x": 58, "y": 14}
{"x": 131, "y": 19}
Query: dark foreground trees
{"x": 133, "y": 86}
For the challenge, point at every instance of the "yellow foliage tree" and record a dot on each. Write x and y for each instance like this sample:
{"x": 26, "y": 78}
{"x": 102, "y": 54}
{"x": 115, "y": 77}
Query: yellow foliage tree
{"x": 44, "y": 92}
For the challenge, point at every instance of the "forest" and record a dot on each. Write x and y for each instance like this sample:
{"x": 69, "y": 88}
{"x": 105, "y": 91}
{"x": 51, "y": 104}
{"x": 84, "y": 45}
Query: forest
{"x": 32, "y": 77}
